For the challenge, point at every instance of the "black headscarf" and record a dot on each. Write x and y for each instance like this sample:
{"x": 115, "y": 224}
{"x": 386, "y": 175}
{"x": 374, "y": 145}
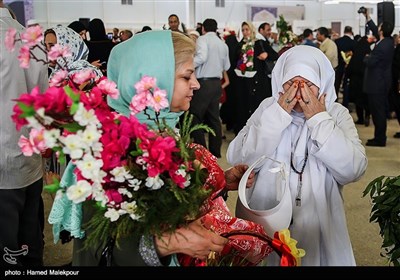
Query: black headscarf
{"x": 97, "y": 31}
{"x": 77, "y": 26}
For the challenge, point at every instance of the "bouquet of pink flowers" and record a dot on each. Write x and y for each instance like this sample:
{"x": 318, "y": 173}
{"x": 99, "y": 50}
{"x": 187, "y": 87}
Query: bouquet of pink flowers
{"x": 141, "y": 180}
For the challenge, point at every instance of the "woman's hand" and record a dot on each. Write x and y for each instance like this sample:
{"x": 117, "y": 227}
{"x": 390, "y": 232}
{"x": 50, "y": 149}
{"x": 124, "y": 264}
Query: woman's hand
{"x": 288, "y": 99}
{"x": 310, "y": 103}
{"x": 193, "y": 240}
{"x": 96, "y": 63}
{"x": 234, "y": 174}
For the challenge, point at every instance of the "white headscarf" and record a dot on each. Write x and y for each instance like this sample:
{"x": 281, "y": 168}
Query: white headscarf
{"x": 309, "y": 63}
{"x": 313, "y": 65}
{"x": 77, "y": 62}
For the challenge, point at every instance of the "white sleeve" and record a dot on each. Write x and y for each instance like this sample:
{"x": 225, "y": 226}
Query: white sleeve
{"x": 337, "y": 144}
{"x": 261, "y": 134}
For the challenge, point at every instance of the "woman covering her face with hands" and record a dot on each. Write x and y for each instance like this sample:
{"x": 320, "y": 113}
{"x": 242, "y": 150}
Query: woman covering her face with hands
{"x": 303, "y": 127}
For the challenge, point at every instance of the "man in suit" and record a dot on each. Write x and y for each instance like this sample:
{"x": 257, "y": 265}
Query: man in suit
{"x": 269, "y": 55}
{"x": 346, "y": 45}
{"x": 378, "y": 78}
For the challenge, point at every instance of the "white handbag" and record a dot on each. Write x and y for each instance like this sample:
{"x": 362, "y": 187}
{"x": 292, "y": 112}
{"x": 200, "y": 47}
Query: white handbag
{"x": 276, "y": 218}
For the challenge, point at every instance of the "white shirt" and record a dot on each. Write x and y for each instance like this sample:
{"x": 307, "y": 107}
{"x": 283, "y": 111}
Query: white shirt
{"x": 16, "y": 170}
{"x": 212, "y": 56}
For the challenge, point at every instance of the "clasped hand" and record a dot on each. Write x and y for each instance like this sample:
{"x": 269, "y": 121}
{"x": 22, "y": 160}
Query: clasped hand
{"x": 301, "y": 95}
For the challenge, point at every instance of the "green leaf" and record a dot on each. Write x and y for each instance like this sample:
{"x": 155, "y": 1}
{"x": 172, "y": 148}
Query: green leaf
{"x": 72, "y": 127}
{"x": 385, "y": 195}
{"x": 53, "y": 188}
{"x": 75, "y": 97}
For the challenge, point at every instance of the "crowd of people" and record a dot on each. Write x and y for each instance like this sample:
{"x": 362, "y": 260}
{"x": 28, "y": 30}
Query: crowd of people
{"x": 279, "y": 103}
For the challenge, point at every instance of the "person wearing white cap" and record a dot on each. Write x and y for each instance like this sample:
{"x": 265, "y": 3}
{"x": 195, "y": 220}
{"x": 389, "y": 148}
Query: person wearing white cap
{"x": 315, "y": 138}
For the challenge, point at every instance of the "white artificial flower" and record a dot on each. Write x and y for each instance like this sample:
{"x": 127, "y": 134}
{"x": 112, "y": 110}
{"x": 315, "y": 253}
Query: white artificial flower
{"x": 79, "y": 192}
{"x": 97, "y": 148}
{"x": 73, "y": 146}
{"x": 34, "y": 123}
{"x": 85, "y": 117}
{"x": 182, "y": 171}
{"x": 51, "y": 137}
{"x": 90, "y": 135}
{"x": 124, "y": 191}
{"x": 120, "y": 174}
{"x": 98, "y": 177}
{"x": 46, "y": 119}
{"x": 99, "y": 194}
{"x": 89, "y": 166}
{"x": 112, "y": 214}
{"x": 130, "y": 208}
{"x": 135, "y": 184}
{"x": 154, "y": 183}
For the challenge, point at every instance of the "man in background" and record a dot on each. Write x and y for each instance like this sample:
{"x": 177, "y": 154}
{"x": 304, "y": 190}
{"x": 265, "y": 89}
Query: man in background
{"x": 210, "y": 61}
{"x": 345, "y": 46}
{"x": 308, "y": 38}
{"x": 125, "y": 35}
{"x": 328, "y": 47}
{"x": 173, "y": 22}
{"x": 378, "y": 78}
{"x": 21, "y": 239}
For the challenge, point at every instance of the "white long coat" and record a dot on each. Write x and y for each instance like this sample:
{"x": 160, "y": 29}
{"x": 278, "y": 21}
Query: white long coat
{"x": 336, "y": 157}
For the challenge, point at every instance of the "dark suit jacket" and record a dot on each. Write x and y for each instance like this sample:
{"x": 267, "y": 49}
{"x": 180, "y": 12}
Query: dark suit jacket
{"x": 378, "y": 71}
{"x": 344, "y": 43}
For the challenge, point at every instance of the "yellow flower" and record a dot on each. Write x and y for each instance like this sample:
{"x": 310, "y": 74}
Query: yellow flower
{"x": 284, "y": 237}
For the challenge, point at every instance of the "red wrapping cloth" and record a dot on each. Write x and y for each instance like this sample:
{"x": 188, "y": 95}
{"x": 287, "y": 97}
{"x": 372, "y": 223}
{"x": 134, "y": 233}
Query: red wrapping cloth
{"x": 248, "y": 243}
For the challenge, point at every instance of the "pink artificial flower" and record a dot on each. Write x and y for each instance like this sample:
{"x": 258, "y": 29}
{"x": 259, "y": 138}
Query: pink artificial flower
{"x": 145, "y": 84}
{"x": 159, "y": 100}
{"x": 93, "y": 99}
{"x": 250, "y": 52}
{"x": 139, "y": 102}
{"x": 9, "y": 41}
{"x": 114, "y": 195}
{"x": 19, "y": 121}
{"x": 141, "y": 130}
{"x": 159, "y": 154}
{"x": 32, "y": 36}
{"x": 58, "y": 78}
{"x": 24, "y": 57}
{"x": 108, "y": 87}
{"x": 28, "y": 99}
{"x": 35, "y": 143}
{"x": 54, "y": 101}
{"x": 57, "y": 51}
{"x": 178, "y": 179}
{"x": 83, "y": 76}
